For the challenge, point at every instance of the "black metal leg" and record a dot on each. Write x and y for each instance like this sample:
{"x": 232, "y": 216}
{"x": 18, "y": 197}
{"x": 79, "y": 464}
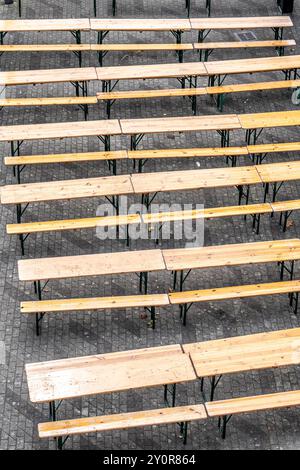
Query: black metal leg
{"x": 114, "y": 7}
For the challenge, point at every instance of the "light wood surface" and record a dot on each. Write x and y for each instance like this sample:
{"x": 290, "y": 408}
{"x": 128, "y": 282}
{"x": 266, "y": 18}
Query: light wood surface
{"x": 135, "y": 94}
{"x": 122, "y": 421}
{"x": 189, "y": 152}
{"x": 180, "y": 124}
{"x": 234, "y": 292}
{"x": 274, "y": 147}
{"x": 91, "y": 265}
{"x": 292, "y": 205}
{"x": 73, "y": 224}
{"x": 232, "y": 255}
{"x": 95, "y": 303}
{"x": 173, "y": 70}
{"x": 66, "y": 158}
{"x": 108, "y": 373}
{"x": 140, "y": 24}
{"x": 32, "y": 77}
{"x": 142, "y": 47}
{"x": 256, "y": 403}
{"x": 259, "y": 64}
{"x": 9, "y": 102}
{"x": 67, "y": 24}
{"x": 275, "y": 172}
{"x": 225, "y": 344}
{"x": 244, "y": 44}
{"x": 69, "y": 189}
{"x": 242, "y": 22}
{"x": 144, "y": 183}
{"x": 59, "y": 130}
{"x": 267, "y": 120}
{"x": 258, "y": 86}
{"x": 44, "y": 47}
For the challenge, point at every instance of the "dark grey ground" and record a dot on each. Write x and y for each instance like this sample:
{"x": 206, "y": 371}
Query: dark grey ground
{"x": 84, "y": 334}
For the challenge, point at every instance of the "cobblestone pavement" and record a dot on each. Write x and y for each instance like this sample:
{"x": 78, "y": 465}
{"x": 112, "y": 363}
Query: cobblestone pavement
{"x": 90, "y": 333}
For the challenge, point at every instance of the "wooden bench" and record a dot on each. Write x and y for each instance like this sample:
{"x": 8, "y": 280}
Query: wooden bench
{"x": 148, "y": 302}
{"x": 181, "y": 415}
{"x": 186, "y": 299}
{"x": 225, "y": 409}
{"x": 223, "y": 90}
{"x": 83, "y": 102}
{"x": 207, "y": 48}
{"x": 254, "y": 210}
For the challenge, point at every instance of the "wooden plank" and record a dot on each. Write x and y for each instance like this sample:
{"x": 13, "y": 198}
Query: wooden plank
{"x": 142, "y": 47}
{"x": 256, "y": 403}
{"x": 268, "y": 120}
{"x": 66, "y": 158}
{"x": 44, "y": 47}
{"x": 83, "y": 376}
{"x": 73, "y": 224}
{"x": 189, "y": 152}
{"x": 232, "y": 255}
{"x": 281, "y": 206}
{"x": 252, "y": 22}
{"x": 258, "y": 86}
{"x": 136, "y": 94}
{"x": 264, "y": 64}
{"x": 234, "y": 292}
{"x": 214, "y": 212}
{"x": 140, "y": 24}
{"x": 68, "y": 100}
{"x": 68, "y": 189}
{"x": 277, "y": 147}
{"x": 226, "y": 344}
{"x": 91, "y": 265}
{"x": 95, "y": 303}
{"x": 180, "y": 124}
{"x": 32, "y": 77}
{"x": 122, "y": 421}
{"x": 154, "y": 71}
{"x": 244, "y": 44}
{"x": 59, "y": 130}
{"x": 275, "y": 172}
{"x": 66, "y": 24}
{"x": 145, "y": 183}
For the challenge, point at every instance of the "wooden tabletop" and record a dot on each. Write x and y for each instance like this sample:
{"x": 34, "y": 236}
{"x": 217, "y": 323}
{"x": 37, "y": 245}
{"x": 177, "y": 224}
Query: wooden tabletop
{"x": 140, "y": 24}
{"x": 242, "y": 22}
{"x": 267, "y": 120}
{"x": 60, "y": 130}
{"x": 180, "y": 124}
{"x": 68, "y": 189}
{"x": 144, "y": 183}
{"x": 254, "y": 352}
{"x": 91, "y": 265}
{"x": 30, "y": 77}
{"x": 276, "y": 172}
{"x": 263, "y": 64}
{"x": 107, "y": 373}
{"x": 232, "y": 255}
{"x": 127, "y": 72}
{"x": 67, "y": 24}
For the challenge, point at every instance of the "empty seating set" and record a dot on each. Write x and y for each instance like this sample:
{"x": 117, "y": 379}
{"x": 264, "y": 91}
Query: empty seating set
{"x": 52, "y": 382}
